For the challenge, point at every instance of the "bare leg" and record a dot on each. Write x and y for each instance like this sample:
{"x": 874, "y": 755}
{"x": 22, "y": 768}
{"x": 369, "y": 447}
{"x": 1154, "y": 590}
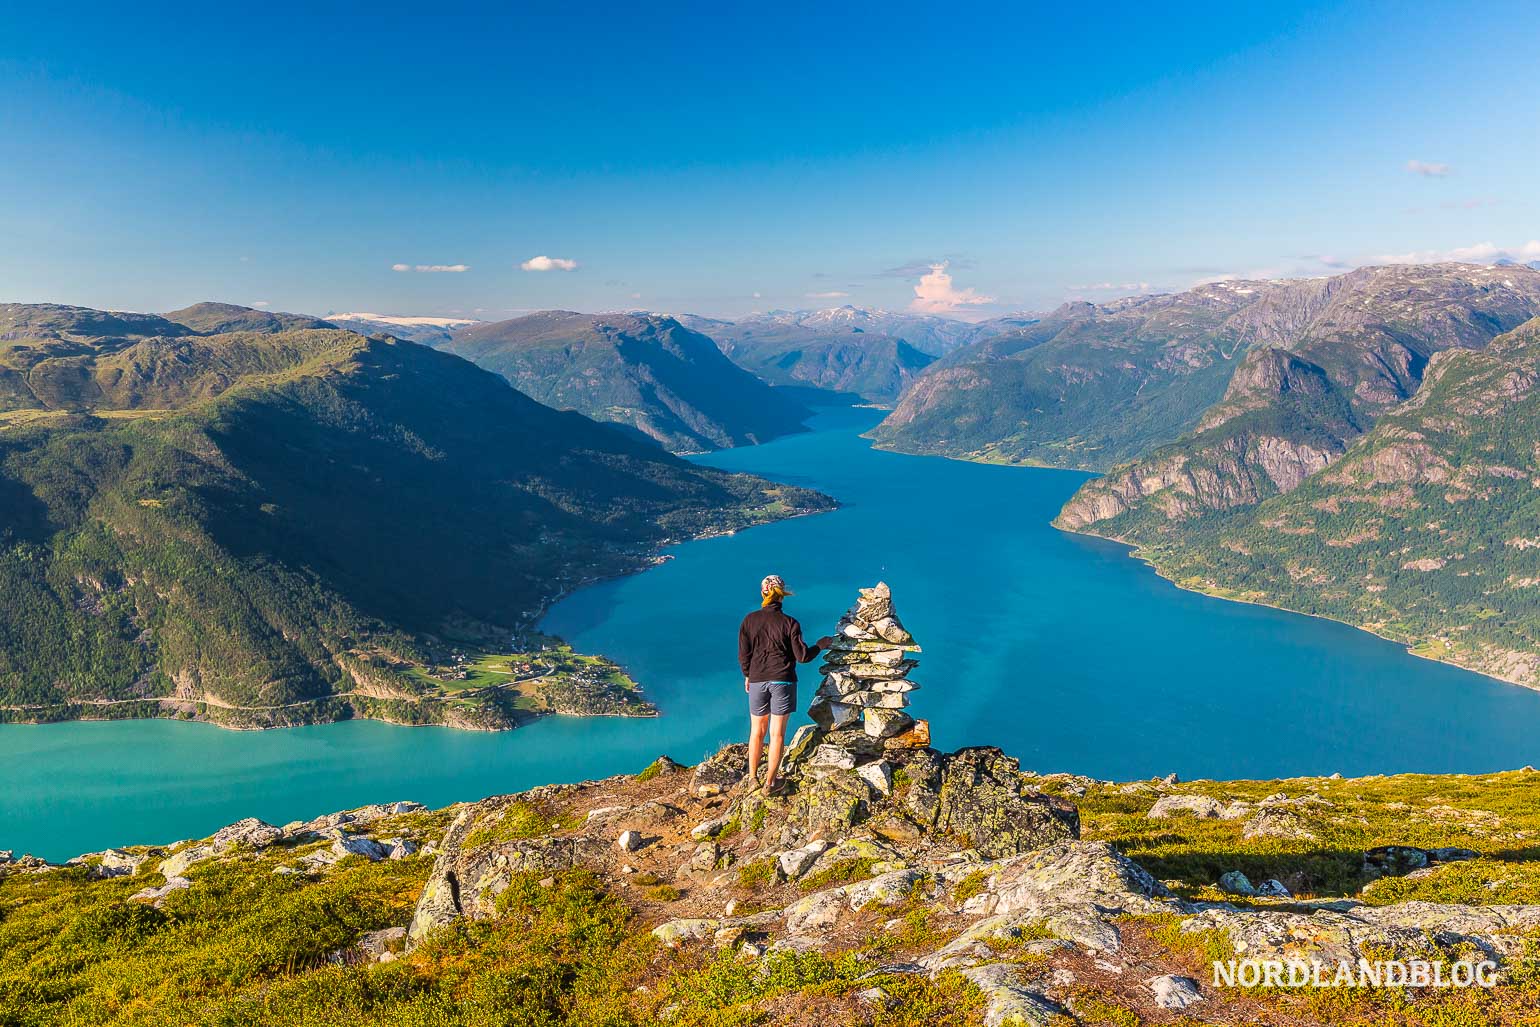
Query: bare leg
{"x": 757, "y": 745}
{"x": 777, "y": 743}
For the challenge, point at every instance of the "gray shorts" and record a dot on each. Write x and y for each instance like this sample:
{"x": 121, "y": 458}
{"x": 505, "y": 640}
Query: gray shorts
{"x": 777, "y": 697}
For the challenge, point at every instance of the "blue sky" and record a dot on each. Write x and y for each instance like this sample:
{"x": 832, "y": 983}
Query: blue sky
{"x": 692, "y": 157}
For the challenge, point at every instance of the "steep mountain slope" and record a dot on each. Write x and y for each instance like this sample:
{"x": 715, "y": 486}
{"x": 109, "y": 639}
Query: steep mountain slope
{"x": 1293, "y": 408}
{"x": 1086, "y": 386}
{"x": 430, "y": 331}
{"x": 848, "y": 351}
{"x": 1426, "y": 531}
{"x": 647, "y": 372}
{"x": 282, "y": 528}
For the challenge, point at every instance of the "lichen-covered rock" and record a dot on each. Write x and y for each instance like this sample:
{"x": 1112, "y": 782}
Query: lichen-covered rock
{"x": 110, "y": 863}
{"x": 1348, "y": 932}
{"x": 979, "y": 794}
{"x": 1274, "y": 822}
{"x": 722, "y": 771}
{"x": 1011, "y": 1003}
{"x": 1174, "y": 992}
{"x": 157, "y": 896}
{"x": 466, "y": 881}
{"x": 830, "y": 802}
{"x": 1070, "y": 874}
{"x": 1200, "y": 806}
{"x": 796, "y": 862}
{"x": 808, "y": 916}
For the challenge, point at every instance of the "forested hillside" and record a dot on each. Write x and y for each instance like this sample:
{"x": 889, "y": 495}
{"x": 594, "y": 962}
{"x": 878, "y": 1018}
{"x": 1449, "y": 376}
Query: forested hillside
{"x": 1426, "y": 531}
{"x": 262, "y": 528}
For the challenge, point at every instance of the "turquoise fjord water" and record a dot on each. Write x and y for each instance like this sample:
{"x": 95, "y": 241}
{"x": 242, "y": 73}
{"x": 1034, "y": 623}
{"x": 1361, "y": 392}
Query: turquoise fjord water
{"x": 1056, "y": 647}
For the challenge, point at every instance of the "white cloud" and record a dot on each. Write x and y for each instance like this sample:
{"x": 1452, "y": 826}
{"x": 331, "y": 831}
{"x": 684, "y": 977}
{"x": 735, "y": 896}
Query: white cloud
{"x": 432, "y": 268}
{"x": 832, "y": 295}
{"x": 636, "y": 295}
{"x": 1476, "y": 253}
{"x": 544, "y": 263}
{"x": 935, "y": 294}
{"x": 261, "y": 303}
{"x": 1428, "y": 168}
{"x": 756, "y": 295}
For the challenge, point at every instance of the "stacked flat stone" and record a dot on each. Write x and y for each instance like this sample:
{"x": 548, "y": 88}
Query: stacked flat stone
{"x": 866, "y": 682}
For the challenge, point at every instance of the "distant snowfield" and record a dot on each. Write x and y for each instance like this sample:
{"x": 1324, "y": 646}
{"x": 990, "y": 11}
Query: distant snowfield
{"x": 431, "y": 322}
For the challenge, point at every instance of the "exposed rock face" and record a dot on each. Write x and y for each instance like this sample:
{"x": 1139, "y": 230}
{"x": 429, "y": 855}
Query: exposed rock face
{"x": 979, "y": 795}
{"x": 470, "y": 873}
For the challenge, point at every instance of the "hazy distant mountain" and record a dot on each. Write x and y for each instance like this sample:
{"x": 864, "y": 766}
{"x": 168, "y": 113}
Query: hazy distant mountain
{"x": 644, "y": 371}
{"x": 1093, "y": 385}
{"x": 264, "y": 527}
{"x": 209, "y": 318}
{"x": 866, "y": 354}
{"x": 430, "y": 331}
{"x": 1086, "y": 386}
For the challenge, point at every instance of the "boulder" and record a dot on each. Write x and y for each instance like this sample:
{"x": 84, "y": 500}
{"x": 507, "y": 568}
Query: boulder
{"x": 359, "y": 845}
{"x": 1273, "y": 822}
{"x": 465, "y": 882}
{"x": 978, "y": 794}
{"x": 1200, "y": 806}
{"x": 251, "y": 831}
{"x": 1009, "y": 1002}
{"x": 629, "y": 841}
{"x": 109, "y": 863}
{"x": 157, "y": 896}
{"x": 797, "y": 862}
{"x": 1173, "y": 992}
{"x": 1394, "y": 860}
{"x": 1236, "y": 883}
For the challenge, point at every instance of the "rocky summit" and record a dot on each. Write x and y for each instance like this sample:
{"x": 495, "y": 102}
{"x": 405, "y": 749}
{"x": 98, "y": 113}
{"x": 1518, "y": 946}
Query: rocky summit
{"x": 917, "y": 888}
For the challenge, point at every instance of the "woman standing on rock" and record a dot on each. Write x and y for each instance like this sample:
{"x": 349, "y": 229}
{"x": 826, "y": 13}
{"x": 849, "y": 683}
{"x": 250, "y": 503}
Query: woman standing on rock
{"x": 769, "y": 648}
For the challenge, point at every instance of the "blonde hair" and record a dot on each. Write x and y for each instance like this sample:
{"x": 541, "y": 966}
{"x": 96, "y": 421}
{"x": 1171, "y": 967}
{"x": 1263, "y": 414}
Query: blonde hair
{"x": 773, "y": 595}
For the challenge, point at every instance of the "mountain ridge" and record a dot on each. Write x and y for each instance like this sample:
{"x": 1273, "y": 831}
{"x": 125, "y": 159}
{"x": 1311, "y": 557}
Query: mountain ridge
{"x": 644, "y": 372}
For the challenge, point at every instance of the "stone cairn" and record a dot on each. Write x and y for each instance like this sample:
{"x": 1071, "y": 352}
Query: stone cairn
{"x": 860, "y": 705}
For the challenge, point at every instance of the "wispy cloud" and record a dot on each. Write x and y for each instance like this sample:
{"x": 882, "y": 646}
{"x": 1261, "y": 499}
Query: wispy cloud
{"x": 935, "y": 293}
{"x": 261, "y": 303}
{"x": 432, "y": 268}
{"x": 1428, "y": 168}
{"x": 1476, "y": 253}
{"x": 544, "y": 263}
{"x": 834, "y": 294}
{"x": 910, "y": 270}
